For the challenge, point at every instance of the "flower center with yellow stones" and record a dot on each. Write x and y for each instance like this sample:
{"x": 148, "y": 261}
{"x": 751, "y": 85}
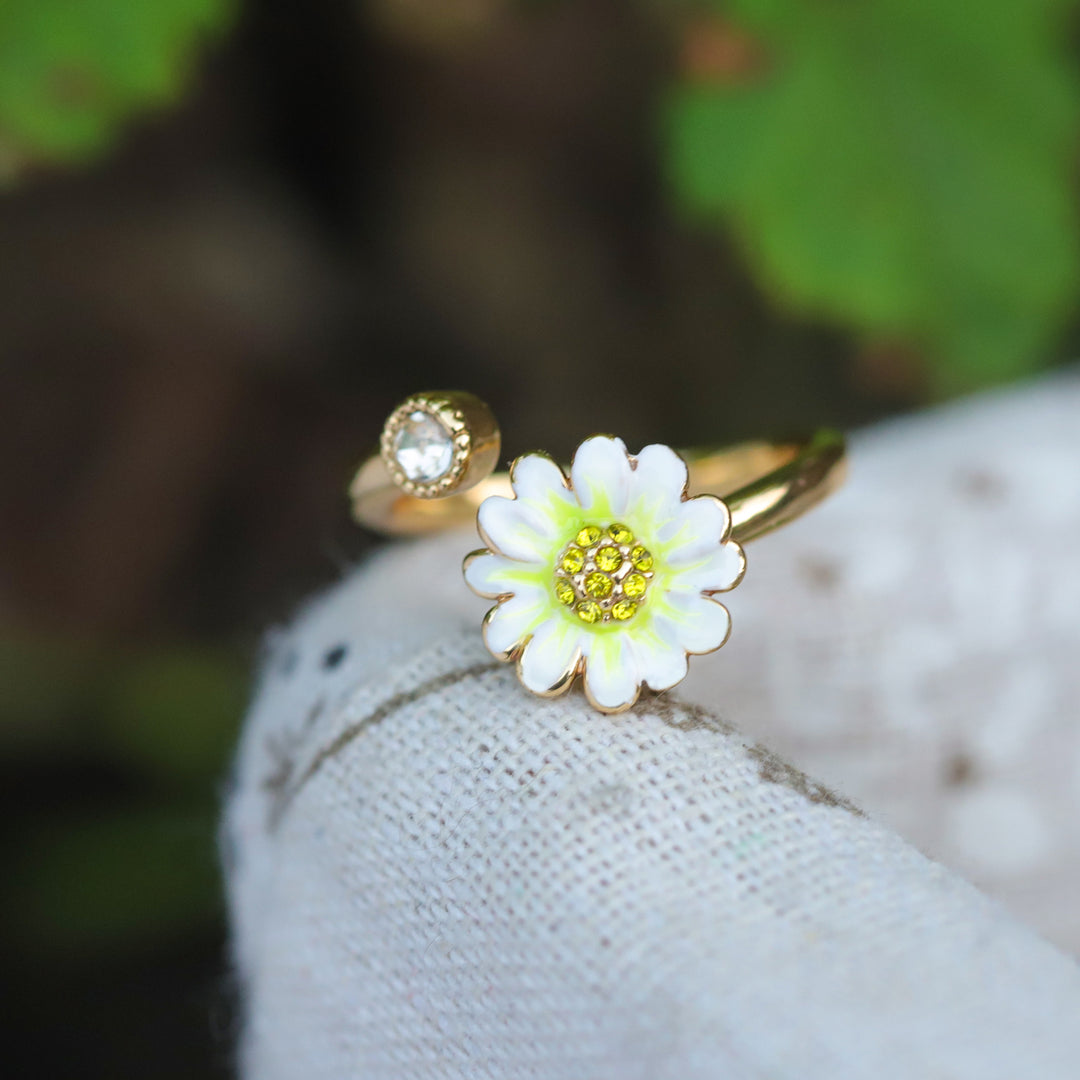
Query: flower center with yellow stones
{"x": 603, "y": 573}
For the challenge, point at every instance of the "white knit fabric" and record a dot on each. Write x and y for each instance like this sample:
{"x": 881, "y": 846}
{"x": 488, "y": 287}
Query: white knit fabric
{"x": 433, "y": 874}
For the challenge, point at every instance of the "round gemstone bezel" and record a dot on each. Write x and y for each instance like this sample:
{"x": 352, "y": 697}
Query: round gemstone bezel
{"x": 452, "y": 420}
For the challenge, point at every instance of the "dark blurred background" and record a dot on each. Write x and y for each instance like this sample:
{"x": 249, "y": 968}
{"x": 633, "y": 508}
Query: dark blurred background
{"x": 233, "y": 237}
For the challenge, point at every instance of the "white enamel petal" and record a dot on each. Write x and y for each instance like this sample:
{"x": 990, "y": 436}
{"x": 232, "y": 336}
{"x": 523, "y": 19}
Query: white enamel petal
{"x": 516, "y": 529}
{"x": 699, "y": 624}
{"x": 659, "y": 480}
{"x": 536, "y": 478}
{"x": 492, "y": 575}
{"x": 720, "y": 569}
{"x": 698, "y": 526}
{"x": 661, "y": 663}
{"x": 601, "y": 475}
{"x": 510, "y": 622}
{"x": 550, "y": 656}
{"x": 612, "y": 679}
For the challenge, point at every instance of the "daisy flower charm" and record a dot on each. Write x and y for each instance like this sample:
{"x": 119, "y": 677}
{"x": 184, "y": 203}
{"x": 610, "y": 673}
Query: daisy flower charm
{"x": 608, "y": 574}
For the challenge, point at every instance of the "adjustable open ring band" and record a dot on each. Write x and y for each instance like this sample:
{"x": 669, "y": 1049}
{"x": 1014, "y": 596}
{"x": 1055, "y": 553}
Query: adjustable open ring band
{"x": 608, "y": 570}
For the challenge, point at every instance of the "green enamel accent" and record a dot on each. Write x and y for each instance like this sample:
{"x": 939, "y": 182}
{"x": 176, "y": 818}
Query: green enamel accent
{"x": 529, "y": 574}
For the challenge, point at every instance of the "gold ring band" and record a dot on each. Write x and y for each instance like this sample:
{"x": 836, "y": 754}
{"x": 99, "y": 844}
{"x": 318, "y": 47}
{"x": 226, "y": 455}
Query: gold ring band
{"x": 765, "y": 485}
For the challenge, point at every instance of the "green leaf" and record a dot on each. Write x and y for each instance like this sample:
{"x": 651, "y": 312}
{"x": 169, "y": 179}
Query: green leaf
{"x": 72, "y": 71}
{"x": 904, "y": 167}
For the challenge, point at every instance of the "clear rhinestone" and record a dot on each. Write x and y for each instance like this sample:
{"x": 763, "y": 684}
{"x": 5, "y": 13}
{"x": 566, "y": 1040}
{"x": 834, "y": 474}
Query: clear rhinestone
{"x": 423, "y": 447}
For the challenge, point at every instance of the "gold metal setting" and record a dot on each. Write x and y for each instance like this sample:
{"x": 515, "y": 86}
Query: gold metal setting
{"x": 386, "y": 499}
{"x": 469, "y": 426}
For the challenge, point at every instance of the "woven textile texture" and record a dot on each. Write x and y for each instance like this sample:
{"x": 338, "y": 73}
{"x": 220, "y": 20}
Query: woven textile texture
{"x": 432, "y": 874}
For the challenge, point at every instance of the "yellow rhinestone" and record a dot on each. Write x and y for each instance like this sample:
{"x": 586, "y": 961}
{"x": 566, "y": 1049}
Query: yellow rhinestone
{"x": 635, "y": 585}
{"x": 624, "y": 610}
{"x": 620, "y": 534}
{"x": 573, "y": 560}
{"x": 589, "y": 535}
{"x": 564, "y": 591}
{"x": 641, "y": 558}
{"x": 609, "y": 558}
{"x": 589, "y": 611}
{"x": 598, "y": 585}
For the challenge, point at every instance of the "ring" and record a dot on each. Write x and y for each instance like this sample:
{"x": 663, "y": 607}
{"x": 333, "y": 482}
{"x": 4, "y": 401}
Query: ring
{"x": 607, "y": 571}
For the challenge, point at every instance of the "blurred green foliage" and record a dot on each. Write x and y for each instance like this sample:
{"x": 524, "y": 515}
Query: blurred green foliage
{"x": 173, "y": 714}
{"x": 72, "y": 71}
{"x": 96, "y": 871}
{"x": 81, "y": 885}
{"x": 904, "y": 167}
